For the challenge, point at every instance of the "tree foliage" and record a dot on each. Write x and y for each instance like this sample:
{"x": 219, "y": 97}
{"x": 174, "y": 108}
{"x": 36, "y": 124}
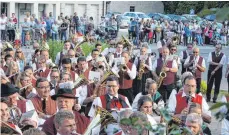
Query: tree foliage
{"x": 184, "y": 7}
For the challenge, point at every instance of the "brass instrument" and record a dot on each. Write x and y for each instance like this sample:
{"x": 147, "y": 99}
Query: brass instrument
{"x": 102, "y": 82}
{"x": 78, "y": 44}
{"x": 81, "y": 80}
{"x": 175, "y": 40}
{"x": 141, "y": 70}
{"x": 123, "y": 67}
{"x": 15, "y": 114}
{"x": 128, "y": 44}
{"x": 162, "y": 74}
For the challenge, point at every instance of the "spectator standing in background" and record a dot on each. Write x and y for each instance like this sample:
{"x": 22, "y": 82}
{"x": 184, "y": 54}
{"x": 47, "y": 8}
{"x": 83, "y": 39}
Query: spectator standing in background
{"x": 3, "y": 22}
{"x": 11, "y": 26}
{"x": 54, "y": 30}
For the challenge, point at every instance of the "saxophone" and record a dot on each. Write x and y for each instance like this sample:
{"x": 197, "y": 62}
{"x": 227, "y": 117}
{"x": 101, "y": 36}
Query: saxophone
{"x": 162, "y": 74}
{"x": 141, "y": 70}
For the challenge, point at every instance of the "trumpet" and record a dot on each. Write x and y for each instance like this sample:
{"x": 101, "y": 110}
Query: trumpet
{"x": 123, "y": 68}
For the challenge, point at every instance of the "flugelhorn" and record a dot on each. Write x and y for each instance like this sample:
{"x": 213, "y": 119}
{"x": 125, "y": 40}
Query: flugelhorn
{"x": 80, "y": 43}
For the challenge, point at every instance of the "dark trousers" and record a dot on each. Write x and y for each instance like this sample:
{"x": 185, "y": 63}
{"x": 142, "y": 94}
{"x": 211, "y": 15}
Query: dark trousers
{"x": 3, "y": 35}
{"x": 185, "y": 38}
{"x": 11, "y": 35}
{"x": 155, "y": 36}
{"x": 216, "y": 79}
{"x": 198, "y": 83}
{"x": 165, "y": 91}
{"x": 127, "y": 93}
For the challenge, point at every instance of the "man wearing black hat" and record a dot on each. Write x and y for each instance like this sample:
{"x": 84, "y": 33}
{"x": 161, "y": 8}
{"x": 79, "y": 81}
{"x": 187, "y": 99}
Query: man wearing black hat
{"x": 65, "y": 100}
{"x": 10, "y": 92}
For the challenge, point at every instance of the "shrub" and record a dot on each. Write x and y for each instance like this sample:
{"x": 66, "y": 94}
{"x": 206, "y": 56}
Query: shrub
{"x": 57, "y": 46}
{"x": 203, "y": 87}
{"x": 205, "y": 12}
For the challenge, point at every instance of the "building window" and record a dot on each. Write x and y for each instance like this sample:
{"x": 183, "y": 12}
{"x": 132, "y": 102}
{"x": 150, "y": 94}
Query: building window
{"x": 132, "y": 8}
{"x": 4, "y": 8}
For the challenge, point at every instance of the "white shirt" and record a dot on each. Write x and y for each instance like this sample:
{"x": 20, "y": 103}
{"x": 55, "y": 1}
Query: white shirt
{"x": 160, "y": 104}
{"x": 181, "y": 55}
{"x": 222, "y": 61}
{"x": 81, "y": 93}
{"x": 4, "y": 21}
{"x": 196, "y": 61}
{"x": 159, "y": 44}
{"x": 132, "y": 72}
{"x": 149, "y": 64}
{"x": 97, "y": 102}
{"x": 173, "y": 102}
{"x": 174, "y": 65}
{"x": 225, "y": 127}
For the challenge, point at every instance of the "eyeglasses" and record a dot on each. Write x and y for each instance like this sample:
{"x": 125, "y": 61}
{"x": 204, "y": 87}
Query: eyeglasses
{"x": 18, "y": 52}
{"x": 195, "y": 52}
{"x": 55, "y": 77}
{"x": 44, "y": 87}
{"x": 173, "y": 49}
{"x": 111, "y": 86}
{"x": 193, "y": 86}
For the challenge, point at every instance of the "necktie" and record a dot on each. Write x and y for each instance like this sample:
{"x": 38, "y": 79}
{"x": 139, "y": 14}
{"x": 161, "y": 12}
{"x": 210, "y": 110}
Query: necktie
{"x": 44, "y": 106}
{"x": 115, "y": 101}
{"x": 217, "y": 54}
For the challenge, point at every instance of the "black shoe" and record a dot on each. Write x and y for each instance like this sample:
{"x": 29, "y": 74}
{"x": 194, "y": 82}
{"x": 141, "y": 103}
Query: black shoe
{"x": 214, "y": 101}
{"x": 208, "y": 100}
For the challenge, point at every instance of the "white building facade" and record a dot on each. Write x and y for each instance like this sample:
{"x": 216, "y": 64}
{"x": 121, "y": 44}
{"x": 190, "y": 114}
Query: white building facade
{"x": 94, "y": 9}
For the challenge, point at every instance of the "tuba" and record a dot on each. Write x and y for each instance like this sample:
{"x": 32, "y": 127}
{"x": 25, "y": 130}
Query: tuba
{"x": 85, "y": 39}
{"x": 175, "y": 40}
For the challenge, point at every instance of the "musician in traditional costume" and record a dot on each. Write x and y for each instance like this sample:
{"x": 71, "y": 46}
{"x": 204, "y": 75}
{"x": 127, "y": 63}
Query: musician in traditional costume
{"x": 216, "y": 61}
{"x": 8, "y": 58}
{"x": 162, "y": 43}
{"x": 178, "y": 104}
{"x": 194, "y": 123}
{"x": 42, "y": 102}
{"x": 43, "y": 71}
{"x": 111, "y": 100}
{"x": 116, "y": 54}
{"x": 94, "y": 55}
{"x": 65, "y": 123}
{"x": 144, "y": 67}
{"x": 60, "y": 55}
{"x": 168, "y": 66}
{"x": 98, "y": 46}
{"x": 45, "y": 54}
{"x": 5, "y": 116}
{"x": 10, "y": 92}
{"x": 54, "y": 80}
{"x": 65, "y": 100}
{"x": 24, "y": 82}
{"x": 66, "y": 65}
{"x": 82, "y": 66}
{"x": 150, "y": 90}
{"x": 196, "y": 65}
{"x": 127, "y": 72}
{"x": 184, "y": 55}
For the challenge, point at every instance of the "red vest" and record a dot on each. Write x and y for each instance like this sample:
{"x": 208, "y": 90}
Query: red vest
{"x": 44, "y": 73}
{"x": 181, "y": 102}
{"x": 198, "y": 72}
{"x": 51, "y": 106}
{"x": 125, "y": 81}
{"x": 21, "y": 104}
{"x": 120, "y": 103}
{"x": 170, "y": 78}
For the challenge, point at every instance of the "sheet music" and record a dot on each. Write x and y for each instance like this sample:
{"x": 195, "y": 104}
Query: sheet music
{"x": 95, "y": 76}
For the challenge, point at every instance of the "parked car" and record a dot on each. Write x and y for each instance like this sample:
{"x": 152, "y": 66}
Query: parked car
{"x": 192, "y": 17}
{"x": 139, "y": 15}
{"x": 177, "y": 17}
{"x": 124, "y": 21}
{"x": 158, "y": 16}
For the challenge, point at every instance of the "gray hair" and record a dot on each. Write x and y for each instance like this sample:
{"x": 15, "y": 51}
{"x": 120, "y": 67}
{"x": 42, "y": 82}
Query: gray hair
{"x": 185, "y": 75}
{"x": 33, "y": 131}
{"x": 149, "y": 82}
{"x": 194, "y": 118}
{"x": 139, "y": 115}
{"x": 61, "y": 116}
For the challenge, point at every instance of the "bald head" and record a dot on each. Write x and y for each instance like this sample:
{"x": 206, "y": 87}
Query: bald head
{"x": 196, "y": 51}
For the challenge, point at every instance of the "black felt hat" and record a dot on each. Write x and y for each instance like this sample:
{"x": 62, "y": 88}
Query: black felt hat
{"x": 64, "y": 92}
{"x": 8, "y": 89}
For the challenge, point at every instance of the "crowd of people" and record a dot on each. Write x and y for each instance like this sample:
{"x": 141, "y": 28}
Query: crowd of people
{"x": 64, "y": 96}
{"x": 192, "y": 31}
